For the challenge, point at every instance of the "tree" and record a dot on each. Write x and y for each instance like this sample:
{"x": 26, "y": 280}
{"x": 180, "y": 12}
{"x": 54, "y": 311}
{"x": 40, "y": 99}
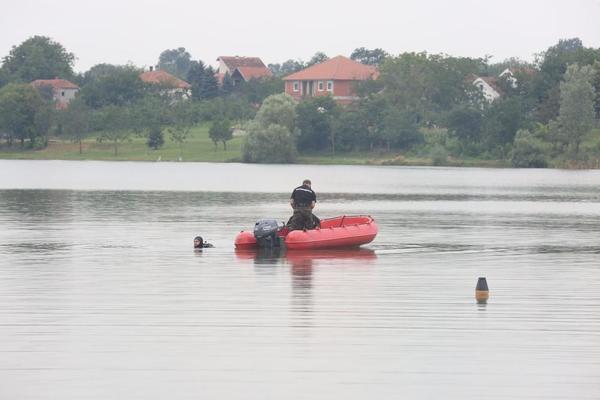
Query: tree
{"x": 317, "y": 58}
{"x": 350, "y": 130}
{"x": 98, "y": 72}
{"x": 271, "y": 144}
{"x": 314, "y": 120}
{"x": 203, "y": 81}
{"x": 76, "y": 121}
{"x": 576, "y": 115}
{"x": 176, "y": 61}
{"x": 278, "y": 109}
{"x": 120, "y": 87}
{"x": 369, "y": 57}
{"x": 156, "y": 138}
{"x": 149, "y": 117}
{"x": 270, "y": 136}
{"x": 501, "y": 122}
{"x": 553, "y": 65}
{"x": 38, "y": 57}
{"x": 287, "y": 67}
{"x": 400, "y": 129}
{"x": 227, "y": 86}
{"x": 256, "y": 90}
{"x": 184, "y": 116}
{"x": 528, "y": 152}
{"x": 220, "y": 131}
{"x": 464, "y": 123}
{"x": 23, "y": 113}
{"x": 115, "y": 123}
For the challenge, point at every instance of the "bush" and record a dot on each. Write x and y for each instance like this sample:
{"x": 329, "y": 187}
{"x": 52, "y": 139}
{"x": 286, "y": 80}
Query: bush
{"x": 528, "y": 152}
{"x": 273, "y": 144}
{"x": 439, "y": 155}
{"x": 155, "y": 139}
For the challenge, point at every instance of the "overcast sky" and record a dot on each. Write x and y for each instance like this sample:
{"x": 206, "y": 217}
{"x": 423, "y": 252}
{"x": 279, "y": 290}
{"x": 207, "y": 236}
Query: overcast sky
{"x": 120, "y": 32}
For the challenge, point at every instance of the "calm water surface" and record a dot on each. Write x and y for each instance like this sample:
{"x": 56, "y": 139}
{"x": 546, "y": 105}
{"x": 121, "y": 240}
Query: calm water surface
{"x": 102, "y": 296}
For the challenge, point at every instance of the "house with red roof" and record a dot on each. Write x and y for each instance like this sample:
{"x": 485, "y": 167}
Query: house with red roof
{"x": 173, "y": 86}
{"x": 335, "y": 77}
{"x": 241, "y": 69}
{"x": 63, "y": 91}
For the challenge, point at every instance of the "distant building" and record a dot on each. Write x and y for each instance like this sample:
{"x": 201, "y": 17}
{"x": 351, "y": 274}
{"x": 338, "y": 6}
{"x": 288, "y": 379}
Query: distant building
{"x": 175, "y": 87}
{"x": 63, "y": 91}
{"x": 335, "y": 77}
{"x": 241, "y": 69}
{"x": 488, "y": 86}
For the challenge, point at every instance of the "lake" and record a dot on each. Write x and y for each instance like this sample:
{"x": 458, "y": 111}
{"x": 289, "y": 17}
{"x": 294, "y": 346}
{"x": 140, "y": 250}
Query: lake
{"x": 103, "y": 297}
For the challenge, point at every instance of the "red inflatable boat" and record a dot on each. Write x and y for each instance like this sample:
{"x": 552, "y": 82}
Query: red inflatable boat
{"x": 344, "y": 231}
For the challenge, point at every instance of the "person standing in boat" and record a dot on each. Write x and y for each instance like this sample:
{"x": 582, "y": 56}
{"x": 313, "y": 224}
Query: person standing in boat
{"x": 303, "y": 200}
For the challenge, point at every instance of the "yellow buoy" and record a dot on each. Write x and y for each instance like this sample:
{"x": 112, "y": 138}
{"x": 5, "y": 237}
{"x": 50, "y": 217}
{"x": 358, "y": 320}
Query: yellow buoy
{"x": 482, "y": 293}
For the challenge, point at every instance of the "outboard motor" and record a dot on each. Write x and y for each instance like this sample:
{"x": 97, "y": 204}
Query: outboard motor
{"x": 265, "y": 232}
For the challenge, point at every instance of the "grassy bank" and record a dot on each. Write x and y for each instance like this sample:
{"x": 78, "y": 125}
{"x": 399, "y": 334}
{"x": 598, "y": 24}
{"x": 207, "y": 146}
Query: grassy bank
{"x": 200, "y": 148}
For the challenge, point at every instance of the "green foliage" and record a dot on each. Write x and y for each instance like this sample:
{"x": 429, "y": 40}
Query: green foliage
{"x": 220, "y": 131}
{"x": 400, "y": 129}
{"x": 528, "y": 152}
{"x": 501, "y": 122}
{"x": 350, "y": 131}
{"x": 38, "y": 57}
{"x": 175, "y": 61}
{"x": 227, "y": 86}
{"x": 439, "y": 155}
{"x": 255, "y": 91}
{"x": 270, "y": 136}
{"x": 76, "y": 121}
{"x": 233, "y": 108}
{"x": 156, "y": 138}
{"x": 203, "y": 81}
{"x": 576, "y": 116}
{"x": 317, "y": 58}
{"x": 271, "y": 144}
{"x": 120, "y": 86}
{"x": 427, "y": 85}
{"x": 369, "y": 57}
{"x": 465, "y": 123}
{"x": 278, "y": 109}
{"x": 184, "y": 116}
{"x": 288, "y": 67}
{"x": 553, "y": 65}
{"x": 23, "y": 113}
{"x": 116, "y": 123}
{"x": 314, "y": 120}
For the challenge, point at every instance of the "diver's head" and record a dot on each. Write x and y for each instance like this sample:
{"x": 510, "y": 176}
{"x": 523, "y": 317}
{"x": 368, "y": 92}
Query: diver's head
{"x": 198, "y": 242}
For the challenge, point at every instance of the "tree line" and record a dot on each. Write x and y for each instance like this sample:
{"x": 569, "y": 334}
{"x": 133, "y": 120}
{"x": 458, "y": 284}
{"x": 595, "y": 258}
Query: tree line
{"x": 422, "y": 105}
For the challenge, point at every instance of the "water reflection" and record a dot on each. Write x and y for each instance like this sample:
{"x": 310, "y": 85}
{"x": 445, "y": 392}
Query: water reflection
{"x": 303, "y": 266}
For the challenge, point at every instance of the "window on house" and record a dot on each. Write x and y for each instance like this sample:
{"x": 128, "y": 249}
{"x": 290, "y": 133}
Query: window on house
{"x": 296, "y": 86}
{"x": 320, "y": 86}
{"x": 330, "y": 86}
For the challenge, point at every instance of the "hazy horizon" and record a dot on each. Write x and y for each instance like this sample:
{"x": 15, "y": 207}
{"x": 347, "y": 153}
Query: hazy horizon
{"x": 137, "y": 32}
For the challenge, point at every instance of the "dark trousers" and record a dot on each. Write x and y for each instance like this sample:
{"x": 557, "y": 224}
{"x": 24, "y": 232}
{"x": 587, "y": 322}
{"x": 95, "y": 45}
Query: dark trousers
{"x": 302, "y": 219}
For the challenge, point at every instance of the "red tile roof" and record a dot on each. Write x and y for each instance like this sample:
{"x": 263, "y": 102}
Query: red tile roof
{"x": 236, "y": 62}
{"x": 54, "y": 83}
{"x": 162, "y": 77}
{"x": 337, "y": 68}
{"x": 254, "y": 72}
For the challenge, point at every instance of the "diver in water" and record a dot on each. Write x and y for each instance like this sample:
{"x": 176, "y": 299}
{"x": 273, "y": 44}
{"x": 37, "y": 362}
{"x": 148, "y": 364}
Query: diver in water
{"x": 199, "y": 243}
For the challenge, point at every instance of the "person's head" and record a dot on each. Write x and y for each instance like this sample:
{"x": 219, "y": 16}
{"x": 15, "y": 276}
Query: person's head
{"x": 306, "y": 182}
{"x": 198, "y": 242}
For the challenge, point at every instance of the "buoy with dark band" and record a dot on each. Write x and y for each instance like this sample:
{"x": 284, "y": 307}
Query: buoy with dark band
{"x": 482, "y": 293}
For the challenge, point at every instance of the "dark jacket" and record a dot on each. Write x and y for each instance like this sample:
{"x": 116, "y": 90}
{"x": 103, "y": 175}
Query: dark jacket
{"x": 303, "y": 196}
